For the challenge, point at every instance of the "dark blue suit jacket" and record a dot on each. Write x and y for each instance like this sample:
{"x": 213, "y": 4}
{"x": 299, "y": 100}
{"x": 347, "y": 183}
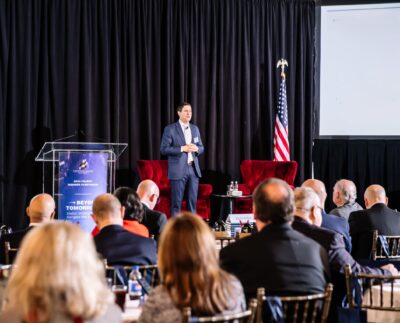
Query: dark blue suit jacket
{"x": 171, "y": 142}
{"x": 121, "y": 247}
{"x": 339, "y": 225}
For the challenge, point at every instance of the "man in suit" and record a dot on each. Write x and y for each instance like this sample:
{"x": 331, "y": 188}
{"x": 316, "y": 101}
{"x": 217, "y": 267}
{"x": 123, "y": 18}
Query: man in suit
{"x": 182, "y": 144}
{"x": 307, "y": 220}
{"x": 113, "y": 242}
{"x": 41, "y": 209}
{"x": 329, "y": 221}
{"x": 277, "y": 257}
{"x": 155, "y": 221}
{"x": 376, "y": 216}
{"x": 344, "y": 196}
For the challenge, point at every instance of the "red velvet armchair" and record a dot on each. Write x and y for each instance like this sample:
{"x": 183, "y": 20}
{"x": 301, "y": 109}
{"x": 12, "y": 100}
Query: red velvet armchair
{"x": 255, "y": 171}
{"x": 157, "y": 171}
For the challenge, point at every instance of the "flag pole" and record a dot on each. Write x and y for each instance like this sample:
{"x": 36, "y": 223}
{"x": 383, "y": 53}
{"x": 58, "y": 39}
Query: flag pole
{"x": 281, "y": 132}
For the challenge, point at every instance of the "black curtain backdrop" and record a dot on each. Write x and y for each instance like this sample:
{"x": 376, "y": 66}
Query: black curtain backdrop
{"x": 365, "y": 162}
{"x": 117, "y": 70}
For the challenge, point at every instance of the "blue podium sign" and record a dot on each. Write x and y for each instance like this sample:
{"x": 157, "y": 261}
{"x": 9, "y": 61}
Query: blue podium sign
{"x": 82, "y": 177}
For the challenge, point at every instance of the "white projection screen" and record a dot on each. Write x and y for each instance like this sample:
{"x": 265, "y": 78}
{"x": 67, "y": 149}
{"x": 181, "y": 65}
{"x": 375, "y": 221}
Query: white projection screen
{"x": 360, "y": 70}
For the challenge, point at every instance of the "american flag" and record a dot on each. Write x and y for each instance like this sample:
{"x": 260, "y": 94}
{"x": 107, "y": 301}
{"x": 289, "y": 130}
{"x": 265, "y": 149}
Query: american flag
{"x": 281, "y": 139}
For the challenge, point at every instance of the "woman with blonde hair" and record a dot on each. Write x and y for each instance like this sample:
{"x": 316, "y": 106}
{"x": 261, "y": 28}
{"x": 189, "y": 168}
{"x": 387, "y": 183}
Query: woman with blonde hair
{"x": 58, "y": 277}
{"x": 190, "y": 275}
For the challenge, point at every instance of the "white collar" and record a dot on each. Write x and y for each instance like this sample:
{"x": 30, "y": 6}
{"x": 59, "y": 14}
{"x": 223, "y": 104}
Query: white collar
{"x": 183, "y": 125}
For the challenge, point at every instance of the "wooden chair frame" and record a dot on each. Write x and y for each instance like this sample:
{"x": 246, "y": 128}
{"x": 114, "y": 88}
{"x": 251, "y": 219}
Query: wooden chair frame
{"x": 146, "y": 271}
{"x": 368, "y": 281}
{"x": 242, "y": 317}
{"x": 377, "y": 249}
{"x": 7, "y": 250}
{"x": 307, "y": 300}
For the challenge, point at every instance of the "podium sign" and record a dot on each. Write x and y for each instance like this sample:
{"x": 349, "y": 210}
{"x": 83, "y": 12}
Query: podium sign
{"x": 82, "y": 177}
{"x": 74, "y": 173}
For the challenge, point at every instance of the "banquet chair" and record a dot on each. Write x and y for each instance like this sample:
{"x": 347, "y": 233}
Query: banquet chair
{"x": 385, "y": 247}
{"x": 9, "y": 252}
{"x": 374, "y": 292}
{"x": 306, "y": 308}
{"x": 242, "y": 317}
{"x": 149, "y": 273}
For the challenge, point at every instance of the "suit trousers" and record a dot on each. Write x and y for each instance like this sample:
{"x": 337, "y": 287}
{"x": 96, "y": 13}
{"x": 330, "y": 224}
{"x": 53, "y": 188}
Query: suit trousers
{"x": 188, "y": 184}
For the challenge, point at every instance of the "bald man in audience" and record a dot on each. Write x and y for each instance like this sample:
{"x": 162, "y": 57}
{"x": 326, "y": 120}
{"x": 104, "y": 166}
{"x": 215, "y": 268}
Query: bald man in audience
{"x": 307, "y": 220}
{"x": 278, "y": 258}
{"x": 41, "y": 209}
{"x": 376, "y": 216}
{"x": 329, "y": 221}
{"x": 115, "y": 244}
{"x": 149, "y": 194}
{"x": 344, "y": 197}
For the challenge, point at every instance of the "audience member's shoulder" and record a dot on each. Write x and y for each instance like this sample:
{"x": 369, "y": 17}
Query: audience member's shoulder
{"x": 356, "y": 214}
{"x": 240, "y": 244}
{"x": 335, "y": 218}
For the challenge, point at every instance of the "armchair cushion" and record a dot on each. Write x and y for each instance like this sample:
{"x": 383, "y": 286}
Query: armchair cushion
{"x": 255, "y": 171}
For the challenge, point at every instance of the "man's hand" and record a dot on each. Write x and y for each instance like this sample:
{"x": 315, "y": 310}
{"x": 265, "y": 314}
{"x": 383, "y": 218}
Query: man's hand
{"x": 393, "y": 270}
{"x": 190, "y": 148}
{"x": 193, "y": 148}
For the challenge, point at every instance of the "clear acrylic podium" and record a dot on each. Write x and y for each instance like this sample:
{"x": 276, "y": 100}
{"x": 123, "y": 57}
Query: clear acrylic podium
{"x": 74, "y": 172}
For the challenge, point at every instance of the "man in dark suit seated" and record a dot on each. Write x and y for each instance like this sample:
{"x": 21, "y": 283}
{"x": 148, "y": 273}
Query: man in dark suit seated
{"x": 376, "y": 216}
{"x": 277, "y": 257}
{"x": 113, "y": 242}
{"x": 307, "y": 220}
{"x": 41, "y": 209}
{"x": 149, "y": 193}
{"x": 330, "y": 221}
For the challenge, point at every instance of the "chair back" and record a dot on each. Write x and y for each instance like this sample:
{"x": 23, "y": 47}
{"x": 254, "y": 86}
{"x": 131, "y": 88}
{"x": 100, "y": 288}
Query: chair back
{"x": 255, "y": 171}
{"x": 242, "y": 317}
{"x": 375, "y": 292}
{"x": 384, "y": 247}
{"x": 305, "y": 309}
{"x": 9, "y": 252}
{"x": 149, "y": 273}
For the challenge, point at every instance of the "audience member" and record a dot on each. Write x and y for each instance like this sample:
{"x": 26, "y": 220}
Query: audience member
{"x": 329, "y": 221}
{"x": 278, "y": 258}
{"x": 58, "y": 278}
{"x": 149, "y": 193}
{"x": 307, "y": 220}
{"x": 377, "y": 216}
{"x": 190, "y": 275}
{"x": 132, "y": 211}
{"x": 116, "y": 244}
{"x": 41, "y": 209}
{"x": 344, "y": 196}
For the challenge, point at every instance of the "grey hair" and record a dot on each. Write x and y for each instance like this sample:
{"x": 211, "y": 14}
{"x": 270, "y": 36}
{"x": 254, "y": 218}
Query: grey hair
{"x": 347, "y": 190}
{"x": 305, "y": 199}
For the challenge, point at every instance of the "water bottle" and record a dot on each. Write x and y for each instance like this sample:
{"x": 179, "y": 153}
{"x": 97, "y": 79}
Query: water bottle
{"x": 236, "y": 186}
{"x": 134, "y": 286}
